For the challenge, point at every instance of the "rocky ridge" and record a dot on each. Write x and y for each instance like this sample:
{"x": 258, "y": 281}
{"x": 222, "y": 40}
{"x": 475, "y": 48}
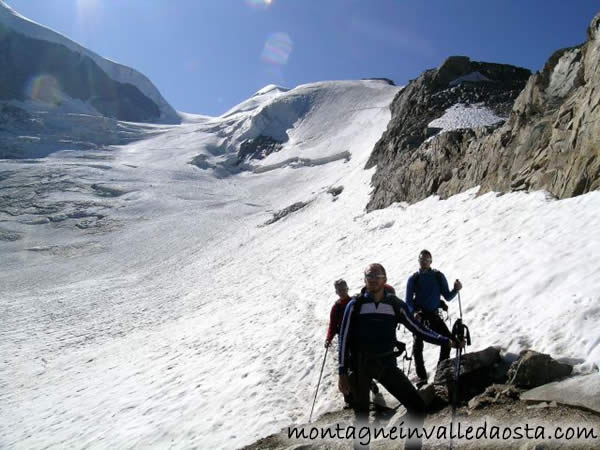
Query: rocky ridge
{"x": 492, "y": 389}
{"x": 550, "y": 140}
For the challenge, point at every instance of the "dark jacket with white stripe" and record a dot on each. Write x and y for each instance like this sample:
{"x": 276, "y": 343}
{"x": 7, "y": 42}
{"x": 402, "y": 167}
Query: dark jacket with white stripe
{"x": 372, "y": 329}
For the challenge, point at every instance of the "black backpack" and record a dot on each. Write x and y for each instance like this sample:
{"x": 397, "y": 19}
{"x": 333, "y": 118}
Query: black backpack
{"x": 438, "y": 277}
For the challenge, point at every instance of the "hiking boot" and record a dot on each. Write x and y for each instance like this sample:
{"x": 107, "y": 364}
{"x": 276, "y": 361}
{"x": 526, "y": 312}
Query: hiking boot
{"x": 421, "y": 382}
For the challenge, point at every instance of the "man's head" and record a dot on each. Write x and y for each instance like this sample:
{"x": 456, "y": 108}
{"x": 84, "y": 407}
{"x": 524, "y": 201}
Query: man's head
{"x": 425, "y": 259}
{"x": 341, "y": 287}
{"x": 375, "y": 278}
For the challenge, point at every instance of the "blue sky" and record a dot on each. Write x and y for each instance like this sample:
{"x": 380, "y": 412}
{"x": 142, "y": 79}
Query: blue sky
{"x": 205, "y": 56}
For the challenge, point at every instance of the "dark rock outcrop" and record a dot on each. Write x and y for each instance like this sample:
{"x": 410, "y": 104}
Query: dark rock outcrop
{"x": 478, "y": 370}
{"x": 534, "y": 369}
{"x": 550, "y": 141}
{"x": 495, "y": 403}
{"x": 286, "y": 212}
{"x": 335, "y": 191}
{"x": 495, "y": 394}
{"x": 258, "y": 148}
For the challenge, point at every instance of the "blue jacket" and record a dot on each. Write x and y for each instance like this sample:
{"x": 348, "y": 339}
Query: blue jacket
{"x": 425, "y": 293}
{"x": 373, "y": 329}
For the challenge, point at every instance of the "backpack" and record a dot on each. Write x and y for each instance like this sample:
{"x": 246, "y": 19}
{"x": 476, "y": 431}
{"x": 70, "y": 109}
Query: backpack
{"x": 438, "y": 277}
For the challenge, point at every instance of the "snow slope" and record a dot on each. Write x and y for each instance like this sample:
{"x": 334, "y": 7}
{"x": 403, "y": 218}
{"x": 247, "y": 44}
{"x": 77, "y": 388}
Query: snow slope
{"x": 176, "y": 319}
{"x": 118, "y": 72}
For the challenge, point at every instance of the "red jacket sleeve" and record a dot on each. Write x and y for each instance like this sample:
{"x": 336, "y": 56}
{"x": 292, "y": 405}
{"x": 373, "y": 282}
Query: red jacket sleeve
{"x": 333, "y": 322}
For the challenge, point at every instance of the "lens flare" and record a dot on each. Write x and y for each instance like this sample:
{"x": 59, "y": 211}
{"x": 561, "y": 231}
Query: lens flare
{"x": 277, "y": 49}
{"x": 259, "y": 3}
{"x": 44, "y": 88}
{"x": 87, "y": 9}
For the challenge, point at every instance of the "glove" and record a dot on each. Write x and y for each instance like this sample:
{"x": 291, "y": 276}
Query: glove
{"x": 444, "y": 305}
{"x": 401, "y": 346}
{"x": 457, "y": 285}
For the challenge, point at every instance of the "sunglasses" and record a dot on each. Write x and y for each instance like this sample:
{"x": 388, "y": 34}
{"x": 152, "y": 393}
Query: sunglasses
{"x": 372, "y": 276}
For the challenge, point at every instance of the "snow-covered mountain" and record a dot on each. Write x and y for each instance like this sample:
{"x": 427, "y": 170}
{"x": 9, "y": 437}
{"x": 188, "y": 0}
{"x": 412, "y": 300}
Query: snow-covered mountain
{"x": 63, "y": 72}
{"x": 146, "y": 302}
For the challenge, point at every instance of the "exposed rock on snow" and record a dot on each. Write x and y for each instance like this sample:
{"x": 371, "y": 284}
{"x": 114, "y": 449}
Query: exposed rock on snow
{"x": 477, "y": 371}
{"x": 286, "y": 211}
{"x": 335, "y": 191}
{"x": 258, "y": 148}
{"x": 265, "y": 132}
{"x": 550, "y": 140}
{"x": 426, "y": 99}
{"x": 499, "y": 405}
{"x": 494, "y": 394}
{"x": 534, "y": 369}
{"x": 105, "y": 190}
{"x": 303, "y": 162}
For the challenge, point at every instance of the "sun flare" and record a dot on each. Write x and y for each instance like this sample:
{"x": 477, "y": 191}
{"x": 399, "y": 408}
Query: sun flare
{"x": 87, "y": 10}
{"x": 259, "y": 3}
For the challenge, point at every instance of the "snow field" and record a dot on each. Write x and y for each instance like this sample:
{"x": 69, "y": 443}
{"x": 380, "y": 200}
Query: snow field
{"x": 192, "y": 325}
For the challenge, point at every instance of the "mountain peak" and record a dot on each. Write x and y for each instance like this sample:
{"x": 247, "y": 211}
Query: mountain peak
{"x": 76, "y": 62}
{"x": 270, "y": 88}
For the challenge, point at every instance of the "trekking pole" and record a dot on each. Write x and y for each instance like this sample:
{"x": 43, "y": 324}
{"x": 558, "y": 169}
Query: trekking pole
{"x": 459, "y": 332}
{"x": 318, "y": 383}
{"x": 455, "y": 393}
